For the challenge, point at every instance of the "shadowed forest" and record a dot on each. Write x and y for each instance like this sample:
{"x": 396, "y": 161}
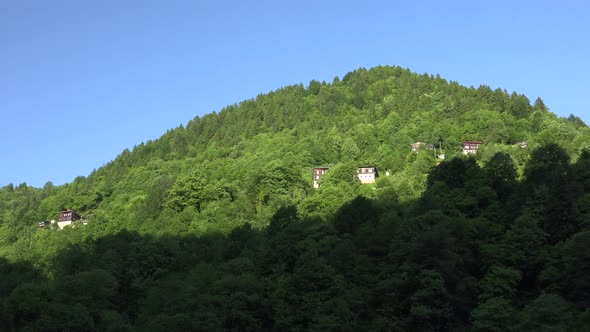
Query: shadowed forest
{"x": 216, "y": 226}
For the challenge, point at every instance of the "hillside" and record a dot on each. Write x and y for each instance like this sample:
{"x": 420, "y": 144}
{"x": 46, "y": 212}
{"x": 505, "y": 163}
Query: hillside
{"x": 216, "y": 225}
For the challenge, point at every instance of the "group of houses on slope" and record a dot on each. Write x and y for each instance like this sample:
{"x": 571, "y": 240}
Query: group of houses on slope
{"x": 65, "y": 218}
{"x": 469, "y": 147}
{"x": 368, "y": 174}
{"x": 419, "y": 145}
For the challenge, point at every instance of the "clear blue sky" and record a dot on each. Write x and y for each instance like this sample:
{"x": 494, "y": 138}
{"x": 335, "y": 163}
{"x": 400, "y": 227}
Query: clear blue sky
{"x": 82, "y": 80}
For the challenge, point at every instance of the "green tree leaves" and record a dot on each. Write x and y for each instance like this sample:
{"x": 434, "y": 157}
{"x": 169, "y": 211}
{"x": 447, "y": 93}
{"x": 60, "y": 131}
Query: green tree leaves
{"x": 349, "y": 150}
{"x": 187, "y": 191}
{"x": 215, "y": 225}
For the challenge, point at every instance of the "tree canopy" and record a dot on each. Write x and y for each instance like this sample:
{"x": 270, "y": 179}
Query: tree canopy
{"x": 215, "y": 226}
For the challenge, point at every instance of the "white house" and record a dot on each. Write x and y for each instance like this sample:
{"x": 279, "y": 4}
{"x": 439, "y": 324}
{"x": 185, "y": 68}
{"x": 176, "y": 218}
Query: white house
{"x": 470, "y": 147}
{"x": 367, "y": 174}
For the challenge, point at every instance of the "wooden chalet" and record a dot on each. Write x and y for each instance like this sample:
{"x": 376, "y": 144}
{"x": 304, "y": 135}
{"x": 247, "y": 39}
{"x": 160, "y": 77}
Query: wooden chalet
{"x": 318, "y": 172}
{"x": 67, "y": 217}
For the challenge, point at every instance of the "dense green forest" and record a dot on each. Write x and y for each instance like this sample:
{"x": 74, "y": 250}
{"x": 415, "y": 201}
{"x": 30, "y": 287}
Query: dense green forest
{"x": 216, "y": 226}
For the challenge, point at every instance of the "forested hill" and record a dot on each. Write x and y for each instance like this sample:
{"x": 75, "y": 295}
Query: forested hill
{"x": 216, "y": 225}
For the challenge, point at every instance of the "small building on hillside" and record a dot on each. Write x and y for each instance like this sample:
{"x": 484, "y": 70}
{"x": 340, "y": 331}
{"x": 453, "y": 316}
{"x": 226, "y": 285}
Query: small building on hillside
{"x": 43, "y": 224}
{"x": 86, "y": 217}
{"x": 367, "y": 174}
{"x": 416, "y": 146}
{"x": 470, "y": 147}
{"x": 67, "y": 217}
{"x": 318, "y": 172}
{"x": 419, "y": 145}
{"x": 522, "y": 145}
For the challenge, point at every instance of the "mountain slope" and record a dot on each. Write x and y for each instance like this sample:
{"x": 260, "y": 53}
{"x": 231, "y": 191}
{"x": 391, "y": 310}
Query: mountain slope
{"x": 221, "y": 215}
{"x": 369, "y": 117}
{"x": 248, "y": 154}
